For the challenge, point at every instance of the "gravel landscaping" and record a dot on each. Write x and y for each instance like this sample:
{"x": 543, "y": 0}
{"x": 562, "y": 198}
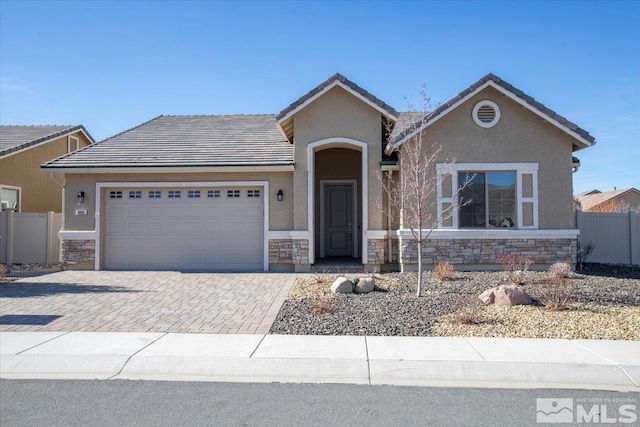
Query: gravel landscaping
{"x": 605, "y": 305}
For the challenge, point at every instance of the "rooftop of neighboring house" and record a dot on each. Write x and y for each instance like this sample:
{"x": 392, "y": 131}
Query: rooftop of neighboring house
{"x": 592, "y": 198}
{"x": 18, "y": 137}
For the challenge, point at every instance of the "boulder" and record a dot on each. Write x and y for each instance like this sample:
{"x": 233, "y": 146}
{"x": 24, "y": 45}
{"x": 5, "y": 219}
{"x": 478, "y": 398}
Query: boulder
{"x": 505, "y": 295}
{"x": 342, "y": 285}
{"x": 364, "y": 286}
{"x": 488, "y": 297}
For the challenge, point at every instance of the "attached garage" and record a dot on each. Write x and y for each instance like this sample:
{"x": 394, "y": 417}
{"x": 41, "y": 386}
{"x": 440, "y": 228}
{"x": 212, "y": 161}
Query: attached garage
{"x": 184, "y": 227}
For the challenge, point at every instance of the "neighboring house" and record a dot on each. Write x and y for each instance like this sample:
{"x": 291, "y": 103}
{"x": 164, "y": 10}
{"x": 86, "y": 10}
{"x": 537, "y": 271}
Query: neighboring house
{"x": 609, "y": 201}
{"x": 23, "y": 149}
{"x": 281, "y": 192}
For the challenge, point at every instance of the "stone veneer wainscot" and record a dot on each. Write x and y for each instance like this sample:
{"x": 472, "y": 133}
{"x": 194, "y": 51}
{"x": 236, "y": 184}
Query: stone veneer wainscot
{"x": 78, "y": 251}
{"x": 485, "y": 251}
{"x": 289, "y": 251}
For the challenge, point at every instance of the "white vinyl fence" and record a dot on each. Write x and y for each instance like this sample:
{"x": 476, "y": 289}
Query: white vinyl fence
{"x": 616, "y": 236}
{"x": 29, "y": 237}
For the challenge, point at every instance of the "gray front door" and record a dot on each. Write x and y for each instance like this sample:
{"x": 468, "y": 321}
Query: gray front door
{"x": 339, "y": 220}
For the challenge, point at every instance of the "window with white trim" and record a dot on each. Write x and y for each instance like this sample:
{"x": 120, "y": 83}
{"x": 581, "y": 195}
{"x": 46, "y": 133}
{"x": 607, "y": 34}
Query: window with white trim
{"x": 253, "y": 193}
{"x": 115, "y": 194}
{"x": 233, "y": 193}
{"x": 174, "y": 194}
{"x": 193, "y": 194}
{"x": 497, "y": 195}
{"x": 10, "y": 197}
{"x": 135, "y": 194}
{"x": 73, "y": 143}
{"x": 155, "y": 194}
{"x": 213, "y": 194}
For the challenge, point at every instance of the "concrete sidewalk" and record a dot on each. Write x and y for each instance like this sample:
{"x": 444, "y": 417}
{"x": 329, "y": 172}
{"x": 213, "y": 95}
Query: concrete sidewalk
{"x": 417, "y": 361}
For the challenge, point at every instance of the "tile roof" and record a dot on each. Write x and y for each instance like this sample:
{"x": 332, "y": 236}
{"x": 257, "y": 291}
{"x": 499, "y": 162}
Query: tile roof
{"x": 183, "y": 141}
{"x": 430, "y": 116}
{"x": 15, "y": 138}
{"x": 592, "y": 199}
{"x": 351, "y": 85}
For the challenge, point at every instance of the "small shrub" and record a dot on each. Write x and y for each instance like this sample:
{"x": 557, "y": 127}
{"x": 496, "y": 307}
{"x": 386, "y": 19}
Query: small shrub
{"x": 468, "y": 310}
{"x": 555, "y": 293}
{"x": 322, "y": 306}
{"x": 583, "y": 253}
{"x": 515, "y": 267}
{"x": 3, "y": 270}
{"x": 443, "y": 270}
{"x": 560, "y": 270}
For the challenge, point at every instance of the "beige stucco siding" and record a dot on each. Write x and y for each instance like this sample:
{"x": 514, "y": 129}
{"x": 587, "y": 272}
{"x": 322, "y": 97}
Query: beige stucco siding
{"x": 280, "y": 213}
{"x": 22, "y": 169}
{"x": 519, "y": 137}
{"x": 337, "y": 114}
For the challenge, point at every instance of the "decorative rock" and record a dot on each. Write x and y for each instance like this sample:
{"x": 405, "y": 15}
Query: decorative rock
{"x": 364, "y": 286}
{"x": 342, "y": 285}
{"x": 505, "y": 295}
{"x": 488, "y": 297}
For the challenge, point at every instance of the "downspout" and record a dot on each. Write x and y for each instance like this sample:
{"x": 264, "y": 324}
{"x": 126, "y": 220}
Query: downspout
{"x": 61, "y": 184}
{"x": 390, "y": 246}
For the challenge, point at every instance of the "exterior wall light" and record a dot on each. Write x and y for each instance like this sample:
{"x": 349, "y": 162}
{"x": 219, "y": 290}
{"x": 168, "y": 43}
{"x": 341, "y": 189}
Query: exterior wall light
{"x": 81, "y": 197}
{"x": 280, "y": 195}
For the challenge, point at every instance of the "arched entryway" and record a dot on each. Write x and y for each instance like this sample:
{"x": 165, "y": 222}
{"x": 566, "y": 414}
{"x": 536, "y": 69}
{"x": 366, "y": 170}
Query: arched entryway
{"x": 338, "y": 199}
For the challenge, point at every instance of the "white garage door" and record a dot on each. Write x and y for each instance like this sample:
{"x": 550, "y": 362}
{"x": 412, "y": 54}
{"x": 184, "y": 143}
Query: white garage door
{"x": 184, "y": 229}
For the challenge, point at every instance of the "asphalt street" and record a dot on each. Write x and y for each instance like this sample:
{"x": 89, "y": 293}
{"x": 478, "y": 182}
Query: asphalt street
{"x": 154, "y": 403}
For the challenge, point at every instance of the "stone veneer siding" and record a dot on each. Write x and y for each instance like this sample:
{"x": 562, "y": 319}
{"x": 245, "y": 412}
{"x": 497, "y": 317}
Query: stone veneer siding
{"x": 486, "y": 251}
{"x": 378, "y": 251}
{"x": 288, "y": 251}
{"x": 78, "y": 251}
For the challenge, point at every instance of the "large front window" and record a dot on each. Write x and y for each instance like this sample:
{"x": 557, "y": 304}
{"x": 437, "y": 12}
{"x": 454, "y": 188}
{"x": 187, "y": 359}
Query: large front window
{"x": 488, "y": 200}
{"x": 496, "y": 195}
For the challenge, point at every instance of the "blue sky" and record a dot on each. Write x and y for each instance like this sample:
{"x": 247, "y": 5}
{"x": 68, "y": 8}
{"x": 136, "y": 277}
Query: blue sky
{"x": 113, "y": 65}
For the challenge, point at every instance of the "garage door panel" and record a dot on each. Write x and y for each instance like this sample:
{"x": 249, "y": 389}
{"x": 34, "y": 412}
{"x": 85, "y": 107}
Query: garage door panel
{"x": 224, "y": 233}
{"x": 155, "y": 227}
{"x": 155, "y": 212}
{"x": 116, "y": 212}
{"x": 136, "y": 212}
{"x": 115, "y": 227}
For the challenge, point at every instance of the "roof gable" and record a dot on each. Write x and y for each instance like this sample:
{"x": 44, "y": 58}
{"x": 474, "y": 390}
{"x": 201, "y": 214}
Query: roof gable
{"x": 16, "y": 138}
{"x": 491, "y": 80}
{"x": 285, "y": 116}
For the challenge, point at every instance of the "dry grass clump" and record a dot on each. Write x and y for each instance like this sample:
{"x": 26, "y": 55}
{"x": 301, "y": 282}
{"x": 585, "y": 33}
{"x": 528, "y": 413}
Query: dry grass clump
{"x": 3, "y": 270}
{"x": 560, "y": 270}
{"x": 322, "y": 306}
{"x": 468, "y": 310}
{"x": 515, "y": 267}
{"x": 555, "y": 292}
{"x": 443, "y": 271}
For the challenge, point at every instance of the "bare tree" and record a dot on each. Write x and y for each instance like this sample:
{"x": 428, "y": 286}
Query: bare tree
{"x": 414, "y": 195}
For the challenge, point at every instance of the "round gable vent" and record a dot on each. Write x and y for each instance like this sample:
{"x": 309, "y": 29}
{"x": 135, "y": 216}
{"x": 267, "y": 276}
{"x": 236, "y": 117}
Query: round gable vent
{"x": 486, "y": 114}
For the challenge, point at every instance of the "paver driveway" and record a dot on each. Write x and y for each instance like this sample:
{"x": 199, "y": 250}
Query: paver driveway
{"x": 215, "y": 303}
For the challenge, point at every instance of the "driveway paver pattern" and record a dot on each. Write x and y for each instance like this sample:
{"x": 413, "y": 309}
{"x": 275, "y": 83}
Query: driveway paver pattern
{"x": 121, "y": 301}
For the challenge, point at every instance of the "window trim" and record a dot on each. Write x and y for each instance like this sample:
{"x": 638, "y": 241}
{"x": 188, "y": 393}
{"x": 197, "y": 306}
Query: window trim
{"x": 75, "y": 140}
{"x": 454, "y": 169}
{"x": 12, "y": 187}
